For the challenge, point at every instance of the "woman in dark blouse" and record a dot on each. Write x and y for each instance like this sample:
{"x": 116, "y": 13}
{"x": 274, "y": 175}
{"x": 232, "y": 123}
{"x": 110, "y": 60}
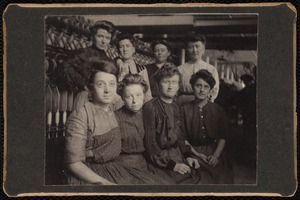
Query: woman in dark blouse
{"x": 206, "y": 127}
{"x": 166, "y": 149}
{"x": 162, "y": 51}
{"x": 129, "y": 117}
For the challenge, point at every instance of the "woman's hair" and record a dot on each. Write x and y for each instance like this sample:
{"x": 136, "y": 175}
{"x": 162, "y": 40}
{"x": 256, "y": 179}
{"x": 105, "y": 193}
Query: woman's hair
{"x": 163, "y": 42}
{"x": 125, "y": 36}
{"x": 106, "y": 25}
{"x": 195, "y": 37}
{"x": 205, "y": 75}
{"x": 168, "y": 70}
{"x": 101, "y": 66}
{"x": 132, "y": 79}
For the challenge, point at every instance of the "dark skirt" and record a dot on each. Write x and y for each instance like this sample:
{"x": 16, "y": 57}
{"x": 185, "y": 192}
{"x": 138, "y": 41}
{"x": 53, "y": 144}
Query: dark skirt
{"x": 137, "y": 165}
{"x": 113, "y": 171}
{"x": 174, "y": 177}
{"x": 222, "y": 173}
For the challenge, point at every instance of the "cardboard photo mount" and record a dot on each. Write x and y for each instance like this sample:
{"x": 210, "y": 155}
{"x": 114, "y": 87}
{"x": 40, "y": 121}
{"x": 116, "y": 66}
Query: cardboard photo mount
{"x": 24, "y": 100}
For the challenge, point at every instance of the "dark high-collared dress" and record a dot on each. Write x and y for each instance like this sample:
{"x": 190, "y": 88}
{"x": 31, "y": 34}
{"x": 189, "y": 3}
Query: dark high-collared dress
{"x": 204, "y": 126}
{"x": 164, "y": 144}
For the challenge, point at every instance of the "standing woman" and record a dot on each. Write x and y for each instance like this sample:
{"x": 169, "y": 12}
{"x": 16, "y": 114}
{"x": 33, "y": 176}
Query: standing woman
{"x": 165, "y": 146}
{"x": 93, "y": 139}
{"x": 132, "y": 90}
{"x": 127, "y": 49}
{"x": 206, "y": 127}
{"x": 162, "y": 52}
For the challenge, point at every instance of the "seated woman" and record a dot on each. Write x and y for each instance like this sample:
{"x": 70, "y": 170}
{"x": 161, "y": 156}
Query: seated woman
{"x": 165, "y": 147}
{"x": 206, "y": 127}
{"x": 132, "y": 90}
{"x": 162, "y": 52}
{"x": 84, "y": 96}
{"x": 93, "y": 139}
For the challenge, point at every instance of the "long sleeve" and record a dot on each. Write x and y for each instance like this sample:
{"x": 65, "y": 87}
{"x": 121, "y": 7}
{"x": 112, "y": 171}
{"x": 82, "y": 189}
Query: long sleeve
{"x": 186, "y": 149}
{"x": 183, "y": 129}
{"x": 157, "y": 154}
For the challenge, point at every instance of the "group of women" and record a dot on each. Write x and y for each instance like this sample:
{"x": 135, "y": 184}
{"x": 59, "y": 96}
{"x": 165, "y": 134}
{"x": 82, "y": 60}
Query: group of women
{"x": 147, "y": 141}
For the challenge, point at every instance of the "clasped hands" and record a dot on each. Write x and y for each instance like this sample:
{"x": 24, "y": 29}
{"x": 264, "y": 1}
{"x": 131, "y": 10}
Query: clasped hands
{"x": 211, "y": 160}
{"x": 182, "y": 168}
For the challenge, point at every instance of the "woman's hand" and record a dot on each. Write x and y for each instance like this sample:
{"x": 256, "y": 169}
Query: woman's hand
{"x": 196, "y": 153}
{"x": 202, "y": 157}
{"x": 193, "y": 162}
{"x": 182, "y": 168}
{"x": 212, "y": 160}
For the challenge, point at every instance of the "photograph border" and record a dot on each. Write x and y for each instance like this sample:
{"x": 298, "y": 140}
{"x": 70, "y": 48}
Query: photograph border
{"x": 6, "y": 72}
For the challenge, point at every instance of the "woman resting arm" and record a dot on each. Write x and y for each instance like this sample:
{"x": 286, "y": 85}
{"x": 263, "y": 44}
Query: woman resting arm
{"x": 76, "y": 137}
{"x": 158, "y": 155}
{"x": 213, "y": 159}
{"x": 86, "y": 174}
{"x": 196, "y": 153}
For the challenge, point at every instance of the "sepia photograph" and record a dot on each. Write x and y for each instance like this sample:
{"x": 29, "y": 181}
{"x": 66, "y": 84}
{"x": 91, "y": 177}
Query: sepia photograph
{"x": 151, "y": 99}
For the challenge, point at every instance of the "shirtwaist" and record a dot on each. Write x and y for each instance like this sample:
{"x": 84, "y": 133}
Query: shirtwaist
{"x": 85, "y": 131}
{"x": 132, "y": 136}
{"x": 163, "y": 140}
{"x": 187, "y": 70}
{"x": 203, "y": 127}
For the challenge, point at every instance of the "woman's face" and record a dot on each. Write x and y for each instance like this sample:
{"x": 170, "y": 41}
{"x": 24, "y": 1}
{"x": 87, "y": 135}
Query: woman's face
{"x": 101, "y": 39}
{"x": 201, "y": 89}
{"x": 133, "y": 97}
{"x": 169, "y": 86}
{"x": 126, "y": 49}
{"x": 161, "y": 53}
{"x": 104, "y": 88}
{"x": 195, "y": 50}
